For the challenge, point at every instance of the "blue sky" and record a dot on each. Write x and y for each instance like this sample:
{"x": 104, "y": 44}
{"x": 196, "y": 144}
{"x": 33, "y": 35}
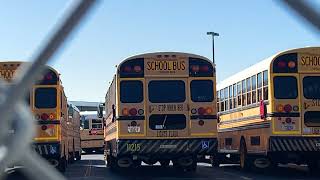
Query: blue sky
{"x": 250, "y": 31}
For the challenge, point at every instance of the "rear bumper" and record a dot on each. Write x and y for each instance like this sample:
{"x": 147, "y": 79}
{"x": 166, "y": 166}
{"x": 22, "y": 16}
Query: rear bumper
{"x": 47, "y": 149}
{"x": 294, "y": 149}
{"x": 166, "y": 147}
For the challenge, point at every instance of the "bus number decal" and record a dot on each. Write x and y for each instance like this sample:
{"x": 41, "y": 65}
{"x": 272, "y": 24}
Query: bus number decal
{"x": 167, "y": 133}
{"x": 7, "y": 74}
{"x": 133, "y": 147}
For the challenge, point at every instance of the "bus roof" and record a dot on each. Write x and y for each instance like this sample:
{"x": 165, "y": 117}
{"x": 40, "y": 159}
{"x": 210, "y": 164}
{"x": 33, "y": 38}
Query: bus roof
{"x": 26, "y": 62}
{"x": 254, "y": 69}
{"x": 164, "y": 53}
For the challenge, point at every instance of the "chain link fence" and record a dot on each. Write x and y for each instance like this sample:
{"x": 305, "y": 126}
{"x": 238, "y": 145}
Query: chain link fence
{"x": 16, "y": 147}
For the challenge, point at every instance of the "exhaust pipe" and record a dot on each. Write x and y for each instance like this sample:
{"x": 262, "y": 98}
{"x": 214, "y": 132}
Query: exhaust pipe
{"x": 54, "y": 162}
{"x": 185, "y": 161}
{"x": 125, "y": 162}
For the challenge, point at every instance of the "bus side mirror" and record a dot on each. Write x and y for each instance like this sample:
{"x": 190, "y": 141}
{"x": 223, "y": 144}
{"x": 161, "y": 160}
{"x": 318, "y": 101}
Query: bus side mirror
{"x": 263, "y": 110}
{"x": 100, "y": 110}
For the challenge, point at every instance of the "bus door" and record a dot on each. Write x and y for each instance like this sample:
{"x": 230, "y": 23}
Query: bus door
{"x": 167, "y": 107}
{"x": 310, "y": 103}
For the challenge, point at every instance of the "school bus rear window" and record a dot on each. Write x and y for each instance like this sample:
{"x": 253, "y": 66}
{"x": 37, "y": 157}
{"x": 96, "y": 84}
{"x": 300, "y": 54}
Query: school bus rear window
{"x": 311, "y": 87}
{"x": 166, "y": 91}
{"x": 167, "y": 121}
{"x": 131, "y": 91}
{"x": 285, "y": 87}
{"x": 201, "y": 90}
{"x": 46, "y": 98}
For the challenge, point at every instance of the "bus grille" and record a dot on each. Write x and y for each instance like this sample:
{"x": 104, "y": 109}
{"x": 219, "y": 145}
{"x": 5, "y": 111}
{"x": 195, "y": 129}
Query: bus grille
{"x": 294, "y": 144}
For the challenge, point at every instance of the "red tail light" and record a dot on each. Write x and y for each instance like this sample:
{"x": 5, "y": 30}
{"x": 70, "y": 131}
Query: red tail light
{"x": 133, "y": 111}
{"x": 201, "y": 111}
{"x": 287, "y": 108}
{"x": 48, "y": 76}
{"x": 44, "y": 116}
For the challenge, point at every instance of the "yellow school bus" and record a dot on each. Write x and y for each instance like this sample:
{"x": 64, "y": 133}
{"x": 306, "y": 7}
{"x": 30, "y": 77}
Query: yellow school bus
{"x": 49, "y": 105}
{"x": 73, "y": 123}
{"x": 269, "y": 113}
{"x": 160, "y": 107}
{"x": 92, "y": 138}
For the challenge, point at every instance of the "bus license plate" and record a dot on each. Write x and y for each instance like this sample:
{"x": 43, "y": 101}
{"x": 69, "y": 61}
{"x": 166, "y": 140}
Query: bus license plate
{"x": 134, "y": 129}
{"x": 288, "y": 127}
{"x": 167, "y": 133}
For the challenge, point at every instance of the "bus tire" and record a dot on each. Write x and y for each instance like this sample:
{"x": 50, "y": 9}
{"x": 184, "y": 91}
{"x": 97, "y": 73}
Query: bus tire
{"x": 215, "y": 160}
{"x": 164, "y": 163}
{"x": 244, "y": 161}
{"x": 314, "y": 166}
{"x": 78, "y": 155}
{"x": 62, "y": 164}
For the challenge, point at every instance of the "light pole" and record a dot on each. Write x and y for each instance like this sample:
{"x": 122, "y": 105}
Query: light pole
{"x": 213, "y": 34}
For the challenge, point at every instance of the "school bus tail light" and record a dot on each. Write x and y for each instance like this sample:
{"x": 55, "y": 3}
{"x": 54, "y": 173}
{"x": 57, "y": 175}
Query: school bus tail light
{"x": 51, "y": 116}
{"x": 281, "y": 64}
{"x": 44, "y": 116}
{"x": 125, "y": 112}
{"x": 209, "y": 110}
{"x": 201, "y": 111}
{"x": 280, "y": 108}
{"x": 133, "y": 111}
{"x": 133, "y": 123}
{"x": 287, "y": 108}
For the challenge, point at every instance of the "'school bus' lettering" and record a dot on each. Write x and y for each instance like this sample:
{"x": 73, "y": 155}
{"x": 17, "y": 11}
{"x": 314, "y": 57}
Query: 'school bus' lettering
{"x": 309, "y": 62}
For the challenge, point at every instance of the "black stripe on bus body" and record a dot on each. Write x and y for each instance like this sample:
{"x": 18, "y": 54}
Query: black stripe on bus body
{"x": 213, "y": 117}
{"x": 130, "y": 118}
{"x": 279, "y": 114}
{"x": 295, "y": 144}
{"x": 49, "y": 122}
{"x": 247, "y": 127}
{"x": 255, "y": 105}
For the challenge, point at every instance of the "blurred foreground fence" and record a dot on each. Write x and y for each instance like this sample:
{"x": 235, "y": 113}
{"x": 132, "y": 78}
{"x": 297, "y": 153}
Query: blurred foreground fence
{"x": 16, "y": 147}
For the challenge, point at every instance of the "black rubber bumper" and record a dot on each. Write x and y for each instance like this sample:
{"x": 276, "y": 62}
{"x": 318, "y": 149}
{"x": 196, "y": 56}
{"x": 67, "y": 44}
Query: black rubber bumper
{"x": 294, "y": 144}
{"x": 47, "y": 149}
{"x": 159, "y": 147}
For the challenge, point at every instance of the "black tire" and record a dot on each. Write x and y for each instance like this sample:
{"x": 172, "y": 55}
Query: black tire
{"x": 78, "y": 155}
{"x": 215, "y": 161}
{"x": 164, "y": 163}
{"x": 62, "y": 166}
{"x": 244, "y": 161}
{"x": 314, "y": 166}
